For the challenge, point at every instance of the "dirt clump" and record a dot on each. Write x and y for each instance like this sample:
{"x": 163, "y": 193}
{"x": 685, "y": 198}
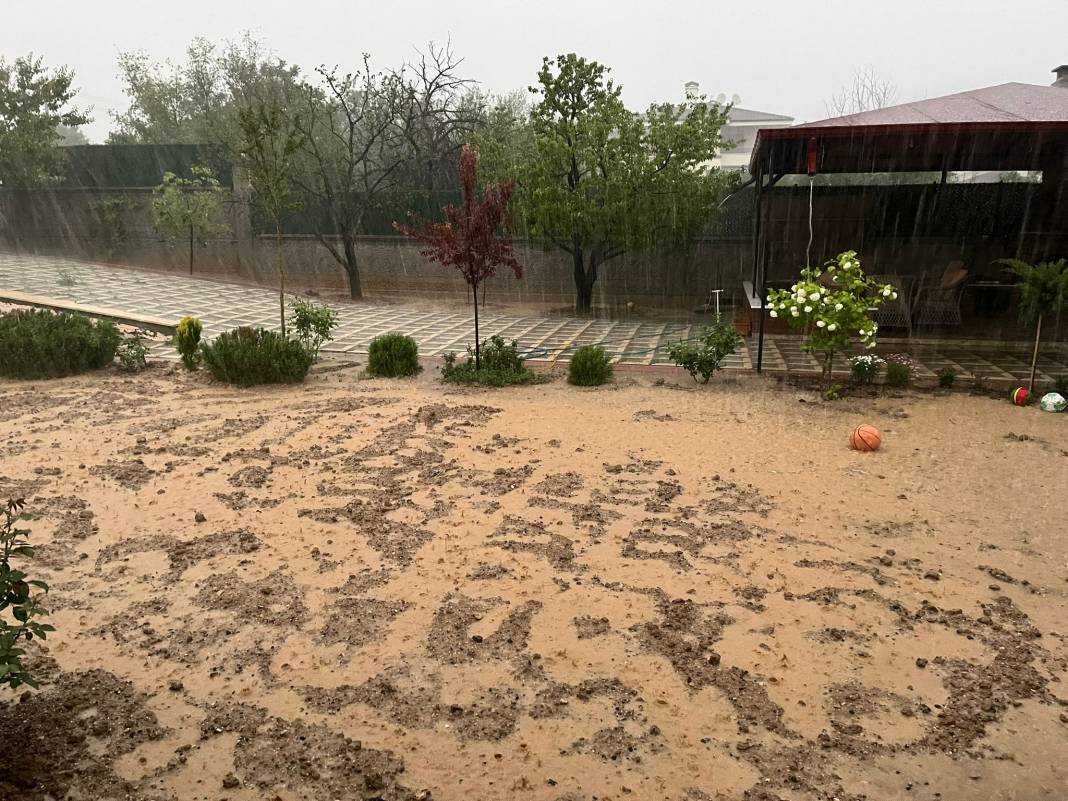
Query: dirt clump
{"x": 69, "y": 737}
{"x": 131, "y": 475}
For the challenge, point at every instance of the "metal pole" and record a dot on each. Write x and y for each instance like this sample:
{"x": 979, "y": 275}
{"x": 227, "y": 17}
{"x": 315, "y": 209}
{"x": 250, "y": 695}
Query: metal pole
{"x": 759, "y": 179}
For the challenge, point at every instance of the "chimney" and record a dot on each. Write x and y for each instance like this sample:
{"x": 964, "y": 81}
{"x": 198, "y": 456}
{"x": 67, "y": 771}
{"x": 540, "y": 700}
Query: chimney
{"x": 693, "y": 89}
{"x": 1061, "y": 73}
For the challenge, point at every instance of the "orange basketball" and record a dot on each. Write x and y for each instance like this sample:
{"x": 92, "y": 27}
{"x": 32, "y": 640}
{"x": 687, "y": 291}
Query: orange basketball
{"x": 865, "y": 438}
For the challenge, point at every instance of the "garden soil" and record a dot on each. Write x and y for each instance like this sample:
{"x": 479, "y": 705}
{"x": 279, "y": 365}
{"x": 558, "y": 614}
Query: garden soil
{"x": 394, "y": 590}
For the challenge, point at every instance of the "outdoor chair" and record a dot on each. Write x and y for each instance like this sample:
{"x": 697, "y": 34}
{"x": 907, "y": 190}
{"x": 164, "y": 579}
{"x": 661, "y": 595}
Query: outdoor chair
{"x": 895, "y": 313}
{"x": 940, "y": 305}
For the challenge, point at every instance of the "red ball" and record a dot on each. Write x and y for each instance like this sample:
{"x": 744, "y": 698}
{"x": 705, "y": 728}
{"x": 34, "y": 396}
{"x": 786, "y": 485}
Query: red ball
{"x": 1020, "y": 396}
{"x": 865, "y": 438}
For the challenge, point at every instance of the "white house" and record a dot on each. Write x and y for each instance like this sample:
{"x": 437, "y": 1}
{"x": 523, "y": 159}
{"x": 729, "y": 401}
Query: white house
{"x": 741, "y": 128}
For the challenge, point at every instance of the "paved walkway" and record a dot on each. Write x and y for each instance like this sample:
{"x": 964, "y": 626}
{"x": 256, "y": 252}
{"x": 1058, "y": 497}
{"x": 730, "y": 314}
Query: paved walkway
{"x": 223, "y": 306}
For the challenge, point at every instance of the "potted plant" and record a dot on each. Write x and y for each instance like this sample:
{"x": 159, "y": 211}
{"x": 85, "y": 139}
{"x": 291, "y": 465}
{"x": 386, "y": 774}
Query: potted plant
{"x": 1043, "y": 290}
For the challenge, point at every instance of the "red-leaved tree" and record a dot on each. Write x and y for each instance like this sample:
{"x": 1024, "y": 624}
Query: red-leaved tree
{"x": 468, "y": 239}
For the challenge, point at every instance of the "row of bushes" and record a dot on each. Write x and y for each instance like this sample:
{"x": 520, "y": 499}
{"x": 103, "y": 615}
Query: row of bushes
{"x": 40, "y": 344}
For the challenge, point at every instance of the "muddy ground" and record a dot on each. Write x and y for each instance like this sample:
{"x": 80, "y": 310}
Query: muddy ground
{"x": 389, "y": 590}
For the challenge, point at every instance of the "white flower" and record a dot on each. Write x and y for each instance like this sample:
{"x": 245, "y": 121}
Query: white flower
{"x": 893, "y": 296}
{"x": 832, "y": 326}
{"x": 838, "y": 307}
{"x": 808, "y": 309}
{"x": 886, "y": 292}
{"x": 793, "y": 311}
{"x": 773, "y": 313}
{"x": 814, "y": 296}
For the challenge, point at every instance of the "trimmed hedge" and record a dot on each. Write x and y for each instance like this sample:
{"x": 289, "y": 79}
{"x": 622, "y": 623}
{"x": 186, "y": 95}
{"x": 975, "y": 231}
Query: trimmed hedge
{"x": 589, "y": 367}
{"x": 249, "y": 356}
{"x": 35, "y": 343}
{"x": 392, "y": 356}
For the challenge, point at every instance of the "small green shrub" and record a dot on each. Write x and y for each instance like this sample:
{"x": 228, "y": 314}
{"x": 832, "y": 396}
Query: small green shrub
{"x": 833, "y": 392}
{"x": 589, "y": 367}
{"x": 501, "y": 366}
{"x": 392, "y": 356}
{"x": 35, "y": 343}
{"x": 313, "y": 325}
{"x": 16, "y": 594}
{"x": 946, "y": 377}
{"x": 865, "y": 368}
{"x": 133, "y": 353}
{"x": 249, "y": 356}
{"x": 187, "y": 341}
{"x": 899, "y": 370}
{"x": 703, "y": 358}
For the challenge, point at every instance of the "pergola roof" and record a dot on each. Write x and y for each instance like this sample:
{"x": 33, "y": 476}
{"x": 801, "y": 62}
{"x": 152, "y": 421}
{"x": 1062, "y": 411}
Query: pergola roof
{"x": 1013, "y": 126}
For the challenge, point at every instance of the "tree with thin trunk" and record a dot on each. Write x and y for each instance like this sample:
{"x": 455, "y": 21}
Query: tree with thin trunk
{"x": 599, "y": 181}
{"x": 270, "y": 139}
{"x": 188, "y": 207}
{"x": 1043, "y": 291}
{"x": 469, "y": 238}
{"x": 364, "y": 132}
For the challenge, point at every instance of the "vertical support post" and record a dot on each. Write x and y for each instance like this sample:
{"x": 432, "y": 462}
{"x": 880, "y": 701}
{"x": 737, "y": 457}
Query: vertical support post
{"x": 758, "y": 261}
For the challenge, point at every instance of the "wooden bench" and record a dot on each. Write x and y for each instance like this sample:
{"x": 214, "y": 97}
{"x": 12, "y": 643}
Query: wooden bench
{"x": 157, "y": 324}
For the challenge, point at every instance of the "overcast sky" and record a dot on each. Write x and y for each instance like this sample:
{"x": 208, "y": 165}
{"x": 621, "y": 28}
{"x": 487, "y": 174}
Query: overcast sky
{"x": 782, "y": 56}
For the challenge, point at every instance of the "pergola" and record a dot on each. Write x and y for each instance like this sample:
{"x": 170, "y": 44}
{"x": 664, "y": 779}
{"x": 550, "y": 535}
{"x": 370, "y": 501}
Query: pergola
{"x": 1013, "y": 126}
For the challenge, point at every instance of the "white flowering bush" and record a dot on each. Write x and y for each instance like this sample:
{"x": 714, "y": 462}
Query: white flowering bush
{"x": 832, "y": 305}
{"x": 865, "y": 367}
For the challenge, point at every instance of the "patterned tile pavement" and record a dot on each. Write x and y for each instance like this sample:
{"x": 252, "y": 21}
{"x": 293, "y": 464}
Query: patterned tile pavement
{"x": 222, "y": 306}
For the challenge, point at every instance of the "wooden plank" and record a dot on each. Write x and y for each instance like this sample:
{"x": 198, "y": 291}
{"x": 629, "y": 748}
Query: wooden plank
{"x": 157, "y": 324}
{"x": 750, "y": 295}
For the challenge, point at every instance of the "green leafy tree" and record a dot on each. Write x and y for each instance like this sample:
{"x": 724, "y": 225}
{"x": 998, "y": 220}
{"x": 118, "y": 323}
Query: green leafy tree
{"x": 601, "y": 181}
{"x": 1043, "y": 291}
{"x": 70, "y": 137}
{"x": 832, "y": 305}
{"x": 188, "y": 207}
{"x": 18, "y": 599}
{"x": 505, "y": 135}
{"x": 34, "y": 103}
{"x": 197, "y": 100}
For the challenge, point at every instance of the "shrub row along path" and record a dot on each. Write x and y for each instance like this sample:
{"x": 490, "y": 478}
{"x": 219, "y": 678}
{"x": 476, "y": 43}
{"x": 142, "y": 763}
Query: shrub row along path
{"x": 222, "y": 306}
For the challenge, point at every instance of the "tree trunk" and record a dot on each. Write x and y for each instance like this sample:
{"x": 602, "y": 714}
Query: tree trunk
{"x": 190, "y": 250}
{"x": 1034, "y": 357}
{"x": 478, "y": 342}
{"x": 281, "y": 276}
{"x": 352, "y": 268}
{"x": 585, "y": 277}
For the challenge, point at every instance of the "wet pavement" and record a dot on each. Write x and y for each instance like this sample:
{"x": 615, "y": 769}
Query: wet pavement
{"x": 222, "y": 306}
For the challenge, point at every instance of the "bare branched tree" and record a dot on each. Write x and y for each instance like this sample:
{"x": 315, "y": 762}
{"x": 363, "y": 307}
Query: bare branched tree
{"x": 442, "y": 112}
{"x": 867, "y": 91}
{"x": 364, "y": 133}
